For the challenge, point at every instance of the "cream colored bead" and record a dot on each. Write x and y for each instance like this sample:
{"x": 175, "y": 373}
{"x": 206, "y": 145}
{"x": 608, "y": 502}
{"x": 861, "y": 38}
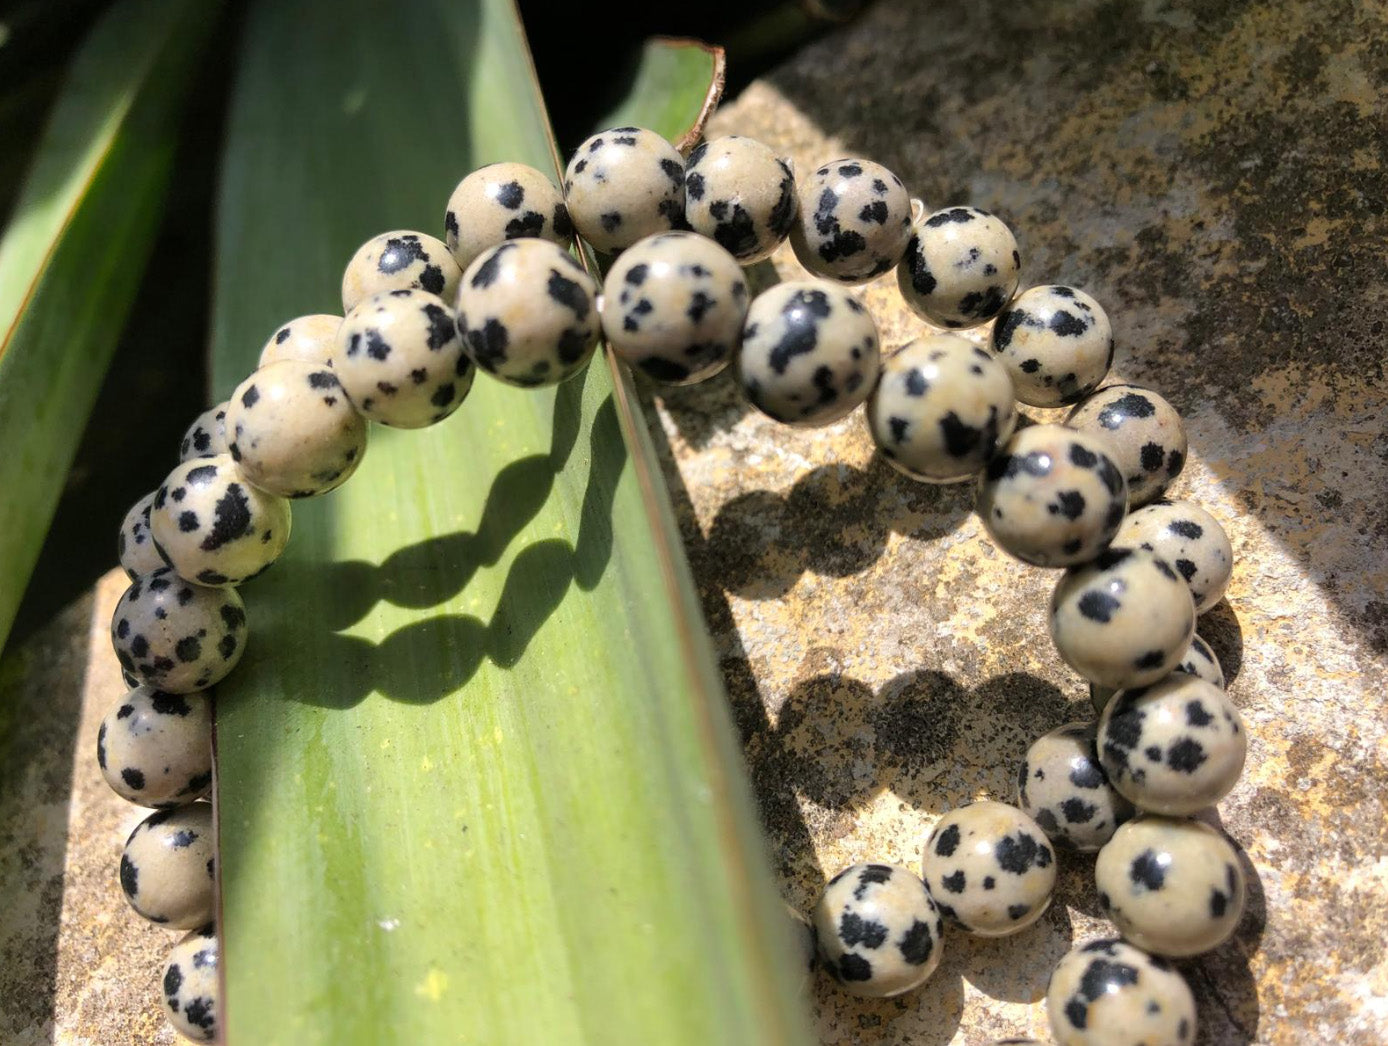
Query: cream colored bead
{"x": 623, "y": 185}
{"x": 192, "y": 991}
{"x": 155, "y": 749}
{"x": 879, "y": 933}
{"x": 500, "y": 202}
{"x": 135, "y": 546}
{"x": 854, "y": 221}
{"x": 1188, "y": 538}
{"x": 206, "y": 436}
{"x": 1199, "y": 661}
{"x": 960, "y": 269}
{"x": 1063, "y": 788}
{"x": 309, "y": 338}
{"x": 176, "y": 636}
{"x": 1057, "y": 344}
{"x": 1108, "y": 993}
{"x": 740, "y": 194}
{"x": 168, "y": 866}
{"x": 399, "y": 261}
{"x": 1143, "y": 432}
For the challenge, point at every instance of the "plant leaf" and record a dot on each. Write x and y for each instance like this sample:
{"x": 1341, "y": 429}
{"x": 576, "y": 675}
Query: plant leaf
{"x": 676, "y": 87}
{"x": 475, "y": 777}
{"x": 74, "y": 250}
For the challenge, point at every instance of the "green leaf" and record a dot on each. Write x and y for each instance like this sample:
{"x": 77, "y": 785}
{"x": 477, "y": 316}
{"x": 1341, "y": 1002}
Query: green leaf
{"x": 74, "y": 251}
{"x": 675, "y": 87}
{"x": 475, "y": 777}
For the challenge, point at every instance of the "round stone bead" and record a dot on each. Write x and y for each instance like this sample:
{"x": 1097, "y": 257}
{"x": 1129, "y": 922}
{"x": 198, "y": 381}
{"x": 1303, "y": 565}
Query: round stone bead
{"x": 989, "y": 868}
{"x": 1062, "y": 787}
{"x": 1124, "y": 619}
{"x": 854, "y": 221}
{"x": 809, "y": 353}
{"x": 1052, "y": 497}
{"x": 1188, "y": 538}
{"x": 1108, "y": 993}
{"x": 192, "y": 992}
{"x": 740, "y": 194}
{"x": 879, "y": 933}
{"x": 213, "y": 527}
{"x": 293, "y": 431}
{"x": 528, "y": 313}
{"x": 1171, "y": 885}
{"x": 1199, "y": 661}
{"x": 1057, "y": 344}
{"x": 673, "y": 306}
{"x": 400, "y": 360}
{"x": 309, "y": 338}
{"x": 136, "y": 548}
{"x": 1173, "y": 748}
{"x": 155, "y": 749}
{"x": 399, "y": 261}
{"x": 1144, "y": 434}
{"x": 623, "y": 185}
{"x": 960, "y": 269}
{"x": 168, "y": 866}
{"x": 175, "y": 636}
{"x": 206, "y": 436}
{"x": 941, "y": 409}
{"x": 500, "y": 202}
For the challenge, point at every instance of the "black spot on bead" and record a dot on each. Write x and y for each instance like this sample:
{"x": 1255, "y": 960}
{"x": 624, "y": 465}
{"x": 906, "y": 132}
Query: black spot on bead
{"x": 1098, "y": 606}
{"x": 1186, "y": 755}
{"x": 855, "y": 930}
{"x": 947, "y": 841}
{"x": 1147, "y": 871}
{"x": 917, "y": 944}
{"x": 510, "y": 195}
{"x": 129, "y": 874}
{"x": 854, "y": 968}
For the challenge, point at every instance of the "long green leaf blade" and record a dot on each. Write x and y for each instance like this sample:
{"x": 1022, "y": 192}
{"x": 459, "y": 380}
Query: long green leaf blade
{"x": 676, "y": 85}
{"x": 475, "y": 778}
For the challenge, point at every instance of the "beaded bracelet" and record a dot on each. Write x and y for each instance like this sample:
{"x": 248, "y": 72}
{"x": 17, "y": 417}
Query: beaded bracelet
{"x": 504, "y": 294}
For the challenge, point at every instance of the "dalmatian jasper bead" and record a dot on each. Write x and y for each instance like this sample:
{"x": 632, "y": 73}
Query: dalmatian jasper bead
{"x": 1062, "y": 787}
{"x": 623, "y": 185}
{"x": 941, "y": 409}
{"x": 1199, "y": 661}
{"x": 155, "y": 749}
{"x": 213, "y": 527}
{"x": 192, "y": 992}
{"x": 1188, "y": 538}
{"x": 1171, "y": 885}
{"x": 400, "y": 360}
{"x": 528, "y": 313}
{"x": 989, "y": 868}
{"x": 1125, "y": 619}
{"x": 500, "y": 202}
{"x": 175, "y": 636}
{"x": 206, "y": 436}
{"x": 293, "y": 431}
{"x": 168, "y": 866}
{"x": 308, "y": 338}
{"x": 399, "y": 261}
{"x": 1173, "y": 748}
{"x": 1052, "y": 497}
{"x": 961, "y": 267}
{"x": 673, "y": 306}
{"x": 854, "y": 221}
{"x": 740, "y": 194}
{"x": 1057, "y": 343}
{"x": 1145, "y": 435}
{"x": 879, "y": 932}
{"x": 809, "y": 353}
{"x": 134, "y": 545}
{"x": 1108, "y": 993}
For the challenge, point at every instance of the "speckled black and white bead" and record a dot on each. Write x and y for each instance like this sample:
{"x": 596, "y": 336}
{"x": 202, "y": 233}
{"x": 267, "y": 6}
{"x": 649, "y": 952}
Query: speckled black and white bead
{"x": 1052, "y": 497}
{"x": 192, "y": 992}
{"x": 293, "y": 431}
{"x": 1108, "y": 993}
{"x": 623, "y": 185}
{"x": 740, "y": 194}
{"x": 176, "y": 636}
{"x": 1062, "y": 787}
{"x": 500, "y": 202}
{"x": 942, "y": 408}
{"x": 213, "y": 527}
{"x": 528, "y": 313}
{"x": 1171, "y": 885}
{"x": 135, "y": 546}
{"x": 854, "y": 221}
{"x": 1188, "y": 538}
{"x": 168, "y": 866}
{"x": 961, "y": 267}
{"x": 206, "y": 436}
{"x": 673, "y": 306}
{"x": 1199, "y": 661}
{"x": 879, "y": 932}
{"x": 309, "y": 338}
{"x": 155, "y": 749}
{"x": 401, "y": 361}
{"x": 989, "y": 867}
{"x": 1124, "y": 619}
{"x": 1145, "y": 435}
{"x": 809, "y": 353}
{"x": 1173, "y": 748}
{"x": 1057, "y": 343}
{"x": 399, "y": 261}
